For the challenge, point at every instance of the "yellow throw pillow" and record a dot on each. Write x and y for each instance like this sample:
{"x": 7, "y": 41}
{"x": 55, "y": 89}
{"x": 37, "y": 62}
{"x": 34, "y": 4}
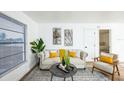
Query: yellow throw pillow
{"x": 61, "y": 53}
{"x": 53, "y": 54}
{"x": 106, "y": 59}
{"x": 72, "y": 53}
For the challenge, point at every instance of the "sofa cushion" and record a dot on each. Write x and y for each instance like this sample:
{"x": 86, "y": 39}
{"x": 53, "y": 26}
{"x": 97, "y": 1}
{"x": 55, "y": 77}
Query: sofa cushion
{"x": 53, "y": 54}
{"x": 106, "y": 57}
{"x": 51, "y": 60}
{"x": 62, "y": 52}
{"x": 72, "y": 53}
{"x": 104, "y": 66}
{"x": 75, "y": 60}
{"x": 57, "y": 59}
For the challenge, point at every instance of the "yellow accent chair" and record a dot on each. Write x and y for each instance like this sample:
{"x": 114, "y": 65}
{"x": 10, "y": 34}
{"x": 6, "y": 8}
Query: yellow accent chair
{"x": 108, "y": 63}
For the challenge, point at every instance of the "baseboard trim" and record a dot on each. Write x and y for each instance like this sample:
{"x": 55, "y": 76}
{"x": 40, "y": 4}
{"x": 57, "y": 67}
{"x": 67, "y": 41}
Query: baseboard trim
{"x": 28, "y": 72}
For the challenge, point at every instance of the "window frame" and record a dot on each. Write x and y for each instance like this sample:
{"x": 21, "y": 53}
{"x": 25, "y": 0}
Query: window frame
{"x": 24, "y": 43}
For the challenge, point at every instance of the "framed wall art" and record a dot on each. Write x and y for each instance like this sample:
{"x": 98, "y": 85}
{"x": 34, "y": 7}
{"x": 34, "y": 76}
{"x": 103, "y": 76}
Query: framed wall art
{"x": 56, "y": 36}
{"x": 68, "y": 37}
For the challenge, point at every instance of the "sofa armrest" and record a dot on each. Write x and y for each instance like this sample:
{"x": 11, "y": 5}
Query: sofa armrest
{"x": 83, "y": 55}
{"x": 115, "y": 62}
{"x": 96, "y": 59}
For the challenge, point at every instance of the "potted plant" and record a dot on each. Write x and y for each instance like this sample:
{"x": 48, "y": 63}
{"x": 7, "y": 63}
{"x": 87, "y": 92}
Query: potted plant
{"x": 65, "y": 62}
{"x": 37, "y": 47}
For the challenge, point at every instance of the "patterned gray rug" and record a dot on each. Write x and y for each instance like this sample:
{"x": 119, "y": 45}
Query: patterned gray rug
{"x": 81, "y": 75}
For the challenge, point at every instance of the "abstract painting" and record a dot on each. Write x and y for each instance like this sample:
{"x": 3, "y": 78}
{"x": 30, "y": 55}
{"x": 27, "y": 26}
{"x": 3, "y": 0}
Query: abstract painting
{"x": 56, "y": 36}
{"x": 68, "y": 37}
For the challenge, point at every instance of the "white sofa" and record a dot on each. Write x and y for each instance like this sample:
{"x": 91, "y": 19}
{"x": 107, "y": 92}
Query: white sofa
{"x": 46, "y": 62}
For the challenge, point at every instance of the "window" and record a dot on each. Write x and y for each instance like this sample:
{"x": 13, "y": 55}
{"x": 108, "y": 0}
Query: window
{"x": 12, "y": 43}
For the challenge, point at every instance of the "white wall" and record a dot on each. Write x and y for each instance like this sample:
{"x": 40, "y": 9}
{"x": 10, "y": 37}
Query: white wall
{"x": 32, "y": 34}
{"x": 46, "y": 34}
{"x": 79, "y": 33}
{"x": 118, "y": 40}
{"x": 117, "y": 35}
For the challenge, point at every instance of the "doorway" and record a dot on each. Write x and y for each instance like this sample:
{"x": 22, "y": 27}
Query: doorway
{"x": 89, "y": 43}
{"x": 104, "y": 40}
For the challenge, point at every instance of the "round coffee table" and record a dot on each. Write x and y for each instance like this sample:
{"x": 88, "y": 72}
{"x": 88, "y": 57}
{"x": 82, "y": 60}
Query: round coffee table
{"x": 55, "y": 71}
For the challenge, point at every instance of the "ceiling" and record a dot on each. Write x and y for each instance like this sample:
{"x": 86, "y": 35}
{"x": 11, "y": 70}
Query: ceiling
{"x": 76, "y": 16}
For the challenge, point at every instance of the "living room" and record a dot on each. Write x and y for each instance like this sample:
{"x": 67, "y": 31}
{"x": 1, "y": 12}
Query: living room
{"x": 84, "y": 28}
{"x": 53, "y": 46}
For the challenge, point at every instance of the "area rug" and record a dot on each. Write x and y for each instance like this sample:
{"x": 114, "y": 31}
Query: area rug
{"x": 81, "y": 75}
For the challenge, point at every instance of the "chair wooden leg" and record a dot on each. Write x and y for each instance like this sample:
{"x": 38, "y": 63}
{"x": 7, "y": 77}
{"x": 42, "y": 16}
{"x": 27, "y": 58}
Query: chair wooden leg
{"x": 92, "y": 69}
{"x": 113, "y": 73}
{"x": 113, "y": 77}
{"x": 117, "y": 70}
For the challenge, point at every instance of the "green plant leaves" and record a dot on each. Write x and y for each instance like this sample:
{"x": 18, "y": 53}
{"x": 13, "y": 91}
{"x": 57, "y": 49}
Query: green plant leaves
{"x": 43, "y": 48}
{"x": 33, "y": 43}
{"x": 37, "y": 46}
{"x": 67, "y": 62}
{"x": 67, "y": 59}
{"x": 33, "y": 51}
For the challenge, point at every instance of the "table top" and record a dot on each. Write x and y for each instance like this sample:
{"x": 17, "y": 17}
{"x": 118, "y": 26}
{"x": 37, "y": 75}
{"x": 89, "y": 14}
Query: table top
{"x": 59, "y": 73}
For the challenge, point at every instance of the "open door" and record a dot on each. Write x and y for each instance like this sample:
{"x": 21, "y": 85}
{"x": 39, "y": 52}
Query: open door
{"x": 104, "y": 40}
